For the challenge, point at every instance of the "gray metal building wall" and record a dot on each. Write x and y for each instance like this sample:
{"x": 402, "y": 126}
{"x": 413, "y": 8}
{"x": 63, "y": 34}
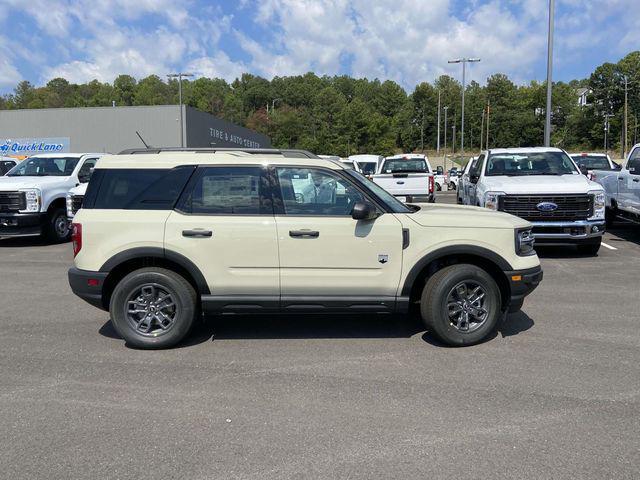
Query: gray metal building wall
{"x": 112, "y": 129}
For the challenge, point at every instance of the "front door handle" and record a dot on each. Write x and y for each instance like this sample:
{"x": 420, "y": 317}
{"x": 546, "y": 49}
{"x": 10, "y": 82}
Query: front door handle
{"x": 197, "y": 233}
{"x": 636, "y": 180}
{"x": 620, "y": 179}
{"x": 304, "y": 233}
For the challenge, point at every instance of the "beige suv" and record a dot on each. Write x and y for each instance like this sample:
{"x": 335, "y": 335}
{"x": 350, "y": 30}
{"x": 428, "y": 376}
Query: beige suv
{"x": 165, "y": 235}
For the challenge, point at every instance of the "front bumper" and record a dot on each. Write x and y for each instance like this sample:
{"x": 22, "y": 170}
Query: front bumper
{"x": 22, "y": 224}
{"x": 577, "y": 232}
{"x": 521, "y": 284}
{"x": 88, "y": 285}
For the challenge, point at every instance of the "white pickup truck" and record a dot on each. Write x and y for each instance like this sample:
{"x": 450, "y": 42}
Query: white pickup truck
{"x": 408, "y": 177}
{"x": 590, "y": 162}
{"x": 543, "y": 186}
{"x": 33, "y": 194}
{"x": 622, "y": 188}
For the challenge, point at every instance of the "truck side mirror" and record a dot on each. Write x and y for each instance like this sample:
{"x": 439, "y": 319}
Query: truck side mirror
{"x": 439, "y": 170}
{"x": 617, "y": 166}
{"x": 583, "y": 170}
{"x": 474, "y": 178}
{"x": 364, "y": 211}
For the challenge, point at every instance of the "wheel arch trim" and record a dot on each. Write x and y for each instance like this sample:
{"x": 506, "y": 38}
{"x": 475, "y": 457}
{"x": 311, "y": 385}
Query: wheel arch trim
{"x": 160, "y": 253}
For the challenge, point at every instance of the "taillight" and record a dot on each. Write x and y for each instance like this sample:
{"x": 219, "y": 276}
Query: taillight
{"x": 431, "y": 184}
{"x": 76, "y": 237}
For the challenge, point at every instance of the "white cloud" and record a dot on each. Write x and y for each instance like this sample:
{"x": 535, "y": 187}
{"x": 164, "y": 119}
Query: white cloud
{"x": 217, "y": 66}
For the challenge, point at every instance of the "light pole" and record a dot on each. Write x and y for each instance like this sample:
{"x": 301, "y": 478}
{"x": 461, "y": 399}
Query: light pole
{"x": 438, "y": 142}
{"x": 626, "y": 123}
{"x": 606, "y": 132}
{"x": 464, "y": 62}
{"x": 445, "y": 133}
{"x": 547, "y": 121}
{"x": 273, "y": 105}
{"x": 179, "y": 76}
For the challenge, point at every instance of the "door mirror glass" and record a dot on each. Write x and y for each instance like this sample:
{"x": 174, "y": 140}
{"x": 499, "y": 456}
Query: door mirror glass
{"x": 617, "y": 166}
{"x": 364, "y": 211}
{"x": 439, "y": 170}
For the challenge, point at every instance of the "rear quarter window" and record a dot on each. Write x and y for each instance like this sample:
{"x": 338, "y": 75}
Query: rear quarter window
{"x": 136, "y": 189}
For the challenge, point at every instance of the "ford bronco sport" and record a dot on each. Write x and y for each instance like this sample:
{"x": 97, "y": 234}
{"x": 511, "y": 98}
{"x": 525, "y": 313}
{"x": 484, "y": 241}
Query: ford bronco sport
{"x": 165, "y": 234}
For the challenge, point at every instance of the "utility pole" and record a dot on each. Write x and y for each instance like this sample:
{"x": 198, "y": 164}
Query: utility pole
{"x": 464, "y": 62}
{"x": 486, "y": 144}
{"x": 422, "y": 133}
{"x": 482, "y": 128}
{"x": 438, "y": 142}
{"x": 547, "y": 122}
{"x": 606, "y": 132}
{"x": 445, "y": 133}
{"x": 626, "y": 109}
{"x": 179, "y": 77}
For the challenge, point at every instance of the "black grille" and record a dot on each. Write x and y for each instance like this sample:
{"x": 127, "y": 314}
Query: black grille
{"x": 12, "y": 201}
{"x": 570, "y": 207}
{"x": 76, "y": 203}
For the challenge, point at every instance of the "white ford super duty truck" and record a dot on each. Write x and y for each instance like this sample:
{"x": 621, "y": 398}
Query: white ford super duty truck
{"x": 543, "y": 186}
{"x": 622, "y": 188}
{"x": 408, "y": 177}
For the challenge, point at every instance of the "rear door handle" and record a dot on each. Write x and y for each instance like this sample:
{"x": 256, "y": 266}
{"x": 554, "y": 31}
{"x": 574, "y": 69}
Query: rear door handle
{"x": 304, "y": 233}
{"x": 197, "y": 233}
{"x": 620, "y": 179}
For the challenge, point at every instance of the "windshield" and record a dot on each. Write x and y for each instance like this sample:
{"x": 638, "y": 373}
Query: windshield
{"x": 535, "y": 163}
{"x": 392, "y": 202}
{"x": 597, "y": 162}
{"x": 405, "y": 165}
{"x": 44, "y": 167}
{"x": 368, "y": 168}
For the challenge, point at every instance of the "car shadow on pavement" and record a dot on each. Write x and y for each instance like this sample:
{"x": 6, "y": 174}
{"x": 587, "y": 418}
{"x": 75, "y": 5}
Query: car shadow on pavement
{"x": 19, "y": 242}
{"x": 309, "y": 326}
{"x": 625, "y": 232}
{"x": 560, "y": 251}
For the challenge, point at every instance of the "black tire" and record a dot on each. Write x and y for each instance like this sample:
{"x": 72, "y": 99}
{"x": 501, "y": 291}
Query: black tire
{"x": 459, "y": 200}
{"x": 131, "y": 288}
{"x": 57, "y": 228}
{"x": 438, "y": 187}
{"x": 609, "y": 217}
{"x": 435, "y": 299}
{"x": 452, "y": 186}
{"x": 590, "y": 249}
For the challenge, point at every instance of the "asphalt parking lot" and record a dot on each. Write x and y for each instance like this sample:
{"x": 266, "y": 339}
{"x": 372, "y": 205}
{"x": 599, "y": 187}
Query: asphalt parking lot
{"x": 556, "y": 394}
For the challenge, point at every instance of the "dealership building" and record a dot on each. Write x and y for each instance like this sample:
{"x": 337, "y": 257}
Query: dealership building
{"x": 113, "y": 129}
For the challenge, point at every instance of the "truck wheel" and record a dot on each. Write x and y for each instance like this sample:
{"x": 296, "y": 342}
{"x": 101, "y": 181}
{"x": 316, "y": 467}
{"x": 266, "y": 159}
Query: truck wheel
{"x": 590, "y": 249}
{"x": 452, "y": 186}
{"x": 57, "y": 228}
{"x": 438, "y": 187}
{"x": 609, "y": 217}
{"x": 153, "y": 308}
{"x": 461, "y": 304}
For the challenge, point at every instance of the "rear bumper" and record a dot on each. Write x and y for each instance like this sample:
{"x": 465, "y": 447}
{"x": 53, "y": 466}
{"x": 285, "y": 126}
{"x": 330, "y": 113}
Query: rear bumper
{"x": 521, "y": 284}
{"x": 576, "y": 232}
{"x": 88, "y": 285}
{"x": 22, "y": 224}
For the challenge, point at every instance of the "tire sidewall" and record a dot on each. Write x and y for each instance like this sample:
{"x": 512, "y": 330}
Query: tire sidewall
{"x": 52, "y": 232}
{"x": 439, "y": 319}
{"x": 180, "y": 294}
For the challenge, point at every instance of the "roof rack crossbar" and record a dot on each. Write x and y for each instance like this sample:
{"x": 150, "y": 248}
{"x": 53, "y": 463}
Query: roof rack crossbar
{"x": 292, "y": 153}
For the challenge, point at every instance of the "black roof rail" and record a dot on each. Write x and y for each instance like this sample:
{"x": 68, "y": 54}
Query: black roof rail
{"x": 290, "y": 153}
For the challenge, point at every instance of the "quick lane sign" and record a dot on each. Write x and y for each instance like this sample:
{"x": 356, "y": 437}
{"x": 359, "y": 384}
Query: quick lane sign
{"x": 31, "y": 146}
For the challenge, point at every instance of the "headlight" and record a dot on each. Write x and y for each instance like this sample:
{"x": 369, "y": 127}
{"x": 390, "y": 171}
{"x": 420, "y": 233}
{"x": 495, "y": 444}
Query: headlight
{"x": 33, "y": 198}
{"x": 524, "y": 242}
{"x": 599, "y": 203}
{"x": 491, "y": 200}
{"x": 69, "y": 205}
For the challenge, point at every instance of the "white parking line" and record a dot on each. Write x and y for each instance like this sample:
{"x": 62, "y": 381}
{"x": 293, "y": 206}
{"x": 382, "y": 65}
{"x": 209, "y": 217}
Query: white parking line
{"x": 606, "y": 245}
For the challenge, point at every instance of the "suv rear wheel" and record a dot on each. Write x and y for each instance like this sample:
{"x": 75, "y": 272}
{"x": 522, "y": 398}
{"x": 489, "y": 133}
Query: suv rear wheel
{"x": 153, "y": 308}
{"x": 461, "y": 304}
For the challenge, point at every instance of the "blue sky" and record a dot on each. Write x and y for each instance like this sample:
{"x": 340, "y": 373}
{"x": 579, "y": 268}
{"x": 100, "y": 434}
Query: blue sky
{"x": 408, "y": 41}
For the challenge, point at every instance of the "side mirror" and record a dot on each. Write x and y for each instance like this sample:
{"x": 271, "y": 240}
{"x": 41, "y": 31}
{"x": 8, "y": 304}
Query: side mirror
{"x": 583, "y": 169}
{"x": 364, "y": 211}
{"x": 474, "y": 178}
{"x": 617, "y": 166}
{"x": 439, "y": 170}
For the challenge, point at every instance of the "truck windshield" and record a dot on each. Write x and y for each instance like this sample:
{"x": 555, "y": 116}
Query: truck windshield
{"x": 368, "y": 168}
{"x": 395, "y": 205}
{"x": 592, "y": 162}
{"x": 405, "y": 165}
{"x": 534, "y": 163}
{"x": 44, "y": 167}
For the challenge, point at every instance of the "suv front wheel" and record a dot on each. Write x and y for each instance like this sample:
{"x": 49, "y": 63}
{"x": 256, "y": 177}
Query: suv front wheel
{"x": 461, "y": 304}
{"x": 153, "y": 308}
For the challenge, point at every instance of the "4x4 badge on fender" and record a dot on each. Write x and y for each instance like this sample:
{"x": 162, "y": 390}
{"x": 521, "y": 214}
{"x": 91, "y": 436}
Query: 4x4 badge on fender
{"x": 383, "y": 258}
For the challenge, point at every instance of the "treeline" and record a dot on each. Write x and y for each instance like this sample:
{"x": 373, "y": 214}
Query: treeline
{"x": 343, "y": 115}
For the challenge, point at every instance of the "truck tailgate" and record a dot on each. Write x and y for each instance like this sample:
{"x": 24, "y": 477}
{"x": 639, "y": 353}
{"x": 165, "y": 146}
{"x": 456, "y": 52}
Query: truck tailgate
{"x": 404, "y": 183}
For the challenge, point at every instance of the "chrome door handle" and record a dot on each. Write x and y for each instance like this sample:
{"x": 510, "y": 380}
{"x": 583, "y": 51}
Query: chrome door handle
{"x": 620, "y": 179}
{"x": 197, "y": 233}
{"x": 304, "y": 233}
{"x": 636, "y": 180}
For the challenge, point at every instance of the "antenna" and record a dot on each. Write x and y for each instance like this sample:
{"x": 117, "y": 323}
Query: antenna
{"x": 142, "y": 139}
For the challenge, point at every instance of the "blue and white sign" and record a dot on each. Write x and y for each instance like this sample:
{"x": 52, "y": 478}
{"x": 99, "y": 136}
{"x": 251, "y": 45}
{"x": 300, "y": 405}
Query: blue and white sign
{"x": 32, "y": 146}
